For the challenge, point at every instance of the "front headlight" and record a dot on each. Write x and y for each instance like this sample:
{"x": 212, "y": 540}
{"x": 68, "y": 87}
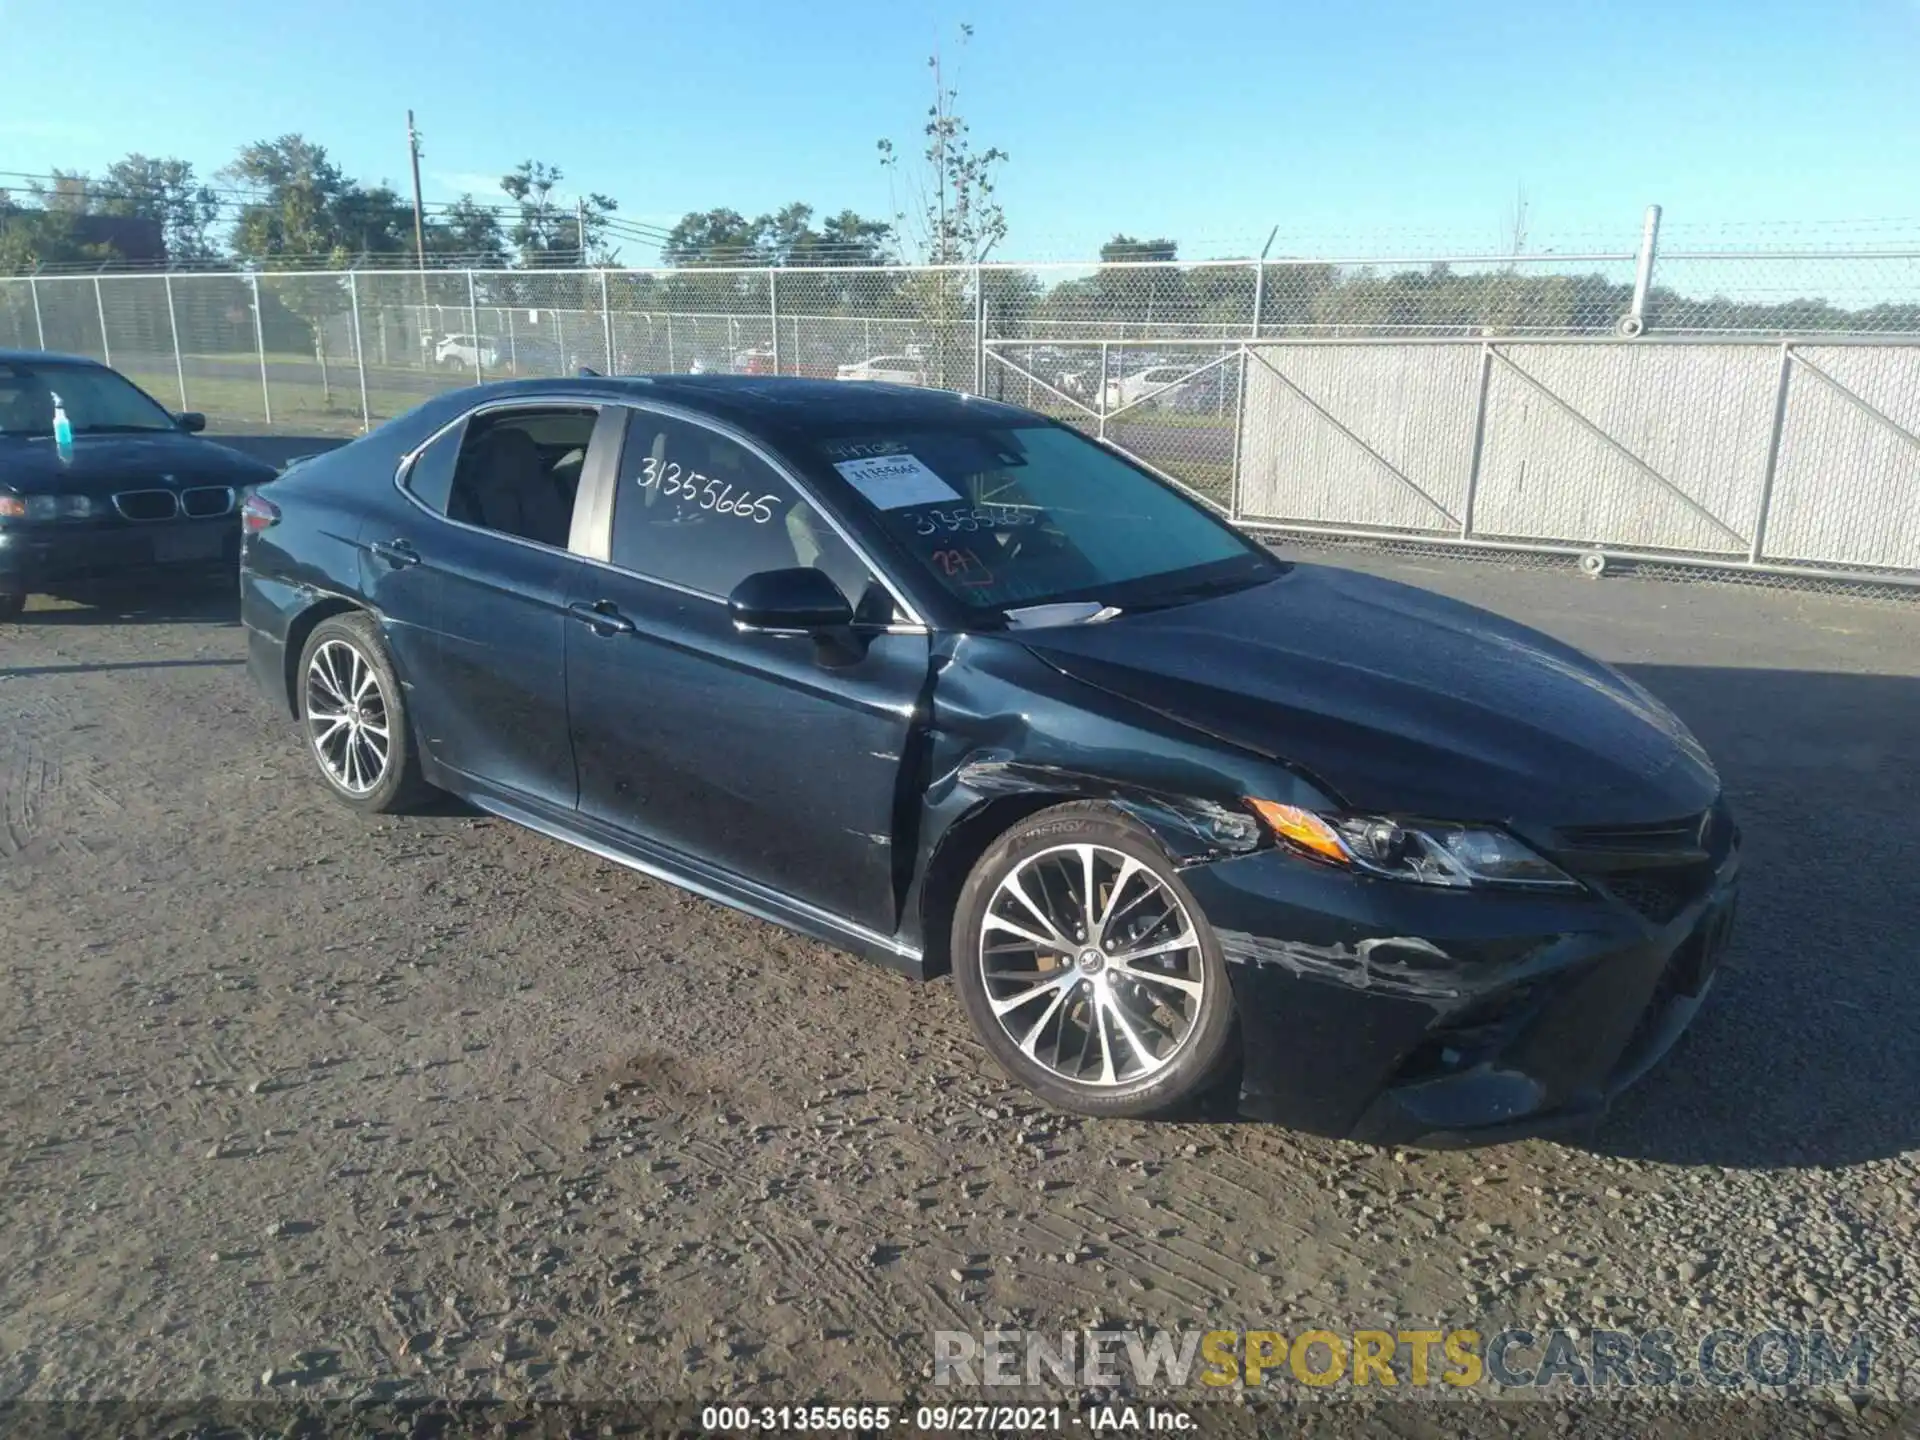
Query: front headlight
{"x": 1425, "y": 852}
{"x": 59, "y": 507}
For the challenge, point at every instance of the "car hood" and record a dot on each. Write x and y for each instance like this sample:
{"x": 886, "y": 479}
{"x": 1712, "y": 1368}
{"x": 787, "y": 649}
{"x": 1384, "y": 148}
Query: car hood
{"x": 1400, "y": 700}
{"x": 102, "y": 464}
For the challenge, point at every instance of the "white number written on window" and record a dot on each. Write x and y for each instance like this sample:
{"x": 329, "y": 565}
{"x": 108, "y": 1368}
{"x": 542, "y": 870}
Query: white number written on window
{"x": 670, "y": 480}
{"x": 967, "y": 521}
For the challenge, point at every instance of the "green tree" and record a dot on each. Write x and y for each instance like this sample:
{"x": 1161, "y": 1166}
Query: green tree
{"x": 947, "y": 204}
{"x": 70, "y": 194}
{"x": 785, "y": 237}
{"x": 311, "y": 215}
{"x": 714, "y": 237}
{"x": 34, "y": 238}
{"x": 165, "y": 192}
{"x": 551, "y": 234}
{"x": 469, "y": 233}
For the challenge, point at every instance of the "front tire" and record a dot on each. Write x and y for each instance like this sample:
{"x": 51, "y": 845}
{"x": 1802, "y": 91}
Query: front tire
{"x": 1087, "y": 968}
{"x": 354, "y": 718}
{"x": 12, "y": 605}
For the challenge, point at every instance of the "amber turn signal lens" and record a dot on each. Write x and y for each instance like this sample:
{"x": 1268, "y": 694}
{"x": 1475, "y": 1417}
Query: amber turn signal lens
{"x": 1302, "y": 828}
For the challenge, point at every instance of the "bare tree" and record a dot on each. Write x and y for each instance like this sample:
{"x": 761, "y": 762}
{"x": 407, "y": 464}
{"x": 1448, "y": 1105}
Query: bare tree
{"x": 946, "y": 205}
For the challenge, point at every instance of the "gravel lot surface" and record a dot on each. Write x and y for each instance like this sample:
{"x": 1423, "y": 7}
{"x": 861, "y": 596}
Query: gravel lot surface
{"x": 434, "y": 1106}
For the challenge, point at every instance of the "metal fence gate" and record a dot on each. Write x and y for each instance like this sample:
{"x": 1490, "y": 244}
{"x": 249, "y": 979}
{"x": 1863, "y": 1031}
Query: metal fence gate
{"x": 1794, "y": 455}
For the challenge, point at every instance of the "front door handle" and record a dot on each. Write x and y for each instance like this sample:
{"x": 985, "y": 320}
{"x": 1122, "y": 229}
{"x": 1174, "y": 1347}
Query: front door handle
{"x": 602, "y": 616}
{"x": 397, "y": 553}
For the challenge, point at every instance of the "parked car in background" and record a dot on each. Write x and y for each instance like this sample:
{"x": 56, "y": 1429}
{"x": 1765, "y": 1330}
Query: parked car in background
{"x": 467, "y": 351}
{"x": 97, "y": 478}
{"x": 1131, "y": 389}
{"x": 758, "y": 360}
{"x": 893, "y": 369}
{"x": 953, "y": 686}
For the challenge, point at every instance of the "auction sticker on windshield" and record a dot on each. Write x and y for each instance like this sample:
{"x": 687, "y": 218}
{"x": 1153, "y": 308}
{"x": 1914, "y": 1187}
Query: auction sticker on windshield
{"x": 896, "y": 482}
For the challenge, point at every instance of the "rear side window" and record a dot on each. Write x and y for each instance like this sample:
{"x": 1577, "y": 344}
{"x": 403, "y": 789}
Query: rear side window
{"x": 430, "y": 477}
{"x": 519, "y": 471}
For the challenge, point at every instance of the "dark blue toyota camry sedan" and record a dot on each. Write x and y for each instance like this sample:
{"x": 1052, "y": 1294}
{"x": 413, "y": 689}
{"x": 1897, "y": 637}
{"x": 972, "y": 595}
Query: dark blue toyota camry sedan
{"x": 950, "y": 685}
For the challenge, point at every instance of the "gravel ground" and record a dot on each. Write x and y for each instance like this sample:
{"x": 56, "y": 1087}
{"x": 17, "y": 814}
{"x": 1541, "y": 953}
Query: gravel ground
{"x": 294, "y": 1102}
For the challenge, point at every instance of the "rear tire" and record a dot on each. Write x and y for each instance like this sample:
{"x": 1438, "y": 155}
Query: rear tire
{"x": 354, "y": 718}
{"x": 1114, "y": 1015}
{"x": 11, "y": 605}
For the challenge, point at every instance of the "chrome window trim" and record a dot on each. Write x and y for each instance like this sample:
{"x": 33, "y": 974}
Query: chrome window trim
{"x": 915, "y": 623}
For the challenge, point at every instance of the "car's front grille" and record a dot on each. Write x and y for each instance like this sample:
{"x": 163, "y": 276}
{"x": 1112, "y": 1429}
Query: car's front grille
{"x": 1659, "y": 895}
{"x": 1658, "y": 868}
{"x": 147, "y": 504}
{"x": 205, "y": 501}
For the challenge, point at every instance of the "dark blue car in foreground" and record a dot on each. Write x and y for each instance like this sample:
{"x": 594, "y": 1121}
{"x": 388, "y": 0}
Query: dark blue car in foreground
{"x": 950, "y": 685}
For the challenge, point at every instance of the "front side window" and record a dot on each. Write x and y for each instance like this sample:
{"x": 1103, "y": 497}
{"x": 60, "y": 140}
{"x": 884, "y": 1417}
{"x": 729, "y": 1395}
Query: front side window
{"x": 96, "y": 401}
{"x": 518, "y": 471}
{"x": 1004, "y": 518}
{"x": 698, "y": 509}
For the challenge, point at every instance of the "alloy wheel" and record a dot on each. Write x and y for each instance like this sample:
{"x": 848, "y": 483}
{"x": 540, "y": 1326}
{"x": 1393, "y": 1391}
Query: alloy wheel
{"x": 1092, "y": 965}
{"x": 347, "y": 717}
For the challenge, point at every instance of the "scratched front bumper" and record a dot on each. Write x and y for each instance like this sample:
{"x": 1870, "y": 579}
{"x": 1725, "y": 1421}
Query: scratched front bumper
{"x": 1395, "y": 1013}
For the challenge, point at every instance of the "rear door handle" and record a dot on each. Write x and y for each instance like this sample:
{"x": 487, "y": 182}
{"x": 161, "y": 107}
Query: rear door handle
{"x": 603, "y": 616}
{"x": 397, "y": 553}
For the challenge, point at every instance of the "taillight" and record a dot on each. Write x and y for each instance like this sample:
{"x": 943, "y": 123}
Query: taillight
{"x": 12, "y": 507}
{"x": 258, "y": 514}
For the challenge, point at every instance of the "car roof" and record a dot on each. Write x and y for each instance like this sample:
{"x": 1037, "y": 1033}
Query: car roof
{"x": 787, "y": 404}
{"x": 47, "y": 357}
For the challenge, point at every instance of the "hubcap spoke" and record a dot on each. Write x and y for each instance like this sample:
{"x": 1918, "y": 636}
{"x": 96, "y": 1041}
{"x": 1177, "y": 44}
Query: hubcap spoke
{"x": 1119, "y": 1014}
{"x": 1032, "y": 1042}
{"x": 1013, "y": 886}
{"x": 1038, "y": 941}
{"x": 1031, "y": 993}
{"x": 1106, "y": 914}
{"x": 1108, "y": 1075}
{"x": 1186, "y": 940}
{"x": 1154, "y": 977}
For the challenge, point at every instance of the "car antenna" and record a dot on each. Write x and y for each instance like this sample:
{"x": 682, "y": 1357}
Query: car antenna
{"x": 587, "y": 372}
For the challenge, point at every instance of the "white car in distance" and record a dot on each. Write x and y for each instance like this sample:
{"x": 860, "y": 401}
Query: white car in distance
{"x": 1129, "y": 389}
{"x": 467, "y": 351}
{"x": 893, "y": 369}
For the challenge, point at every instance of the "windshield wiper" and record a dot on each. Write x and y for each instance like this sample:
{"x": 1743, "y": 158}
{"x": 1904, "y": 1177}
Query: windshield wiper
{"x": 121, "y": 429}
{"x": 1198, "y": 590}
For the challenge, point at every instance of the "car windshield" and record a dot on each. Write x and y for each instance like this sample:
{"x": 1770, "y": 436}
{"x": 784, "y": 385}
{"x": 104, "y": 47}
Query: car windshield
{"x": 96, "y": 400}
{"x": 1025, "y": 515}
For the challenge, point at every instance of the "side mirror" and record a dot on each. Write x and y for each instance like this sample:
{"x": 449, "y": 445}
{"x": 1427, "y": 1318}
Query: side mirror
{"x": 191, "y": 421}
{"x": 801, "y": 601}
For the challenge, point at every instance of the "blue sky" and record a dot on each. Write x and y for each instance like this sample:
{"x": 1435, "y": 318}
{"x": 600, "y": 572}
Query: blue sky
{"x": 1352, "y": 126}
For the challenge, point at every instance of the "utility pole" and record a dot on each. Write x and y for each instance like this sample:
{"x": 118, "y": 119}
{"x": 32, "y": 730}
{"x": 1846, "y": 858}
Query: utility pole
{"x": 422, "y": 339}
{"x": 580, "y": 231}
{"x": 419, "y": 224}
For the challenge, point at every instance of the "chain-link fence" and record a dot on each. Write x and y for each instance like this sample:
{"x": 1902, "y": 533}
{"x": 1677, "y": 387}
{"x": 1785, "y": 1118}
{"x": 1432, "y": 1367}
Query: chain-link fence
{"x": 335, "y": 352}
{"x": 1173, "y": 361}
